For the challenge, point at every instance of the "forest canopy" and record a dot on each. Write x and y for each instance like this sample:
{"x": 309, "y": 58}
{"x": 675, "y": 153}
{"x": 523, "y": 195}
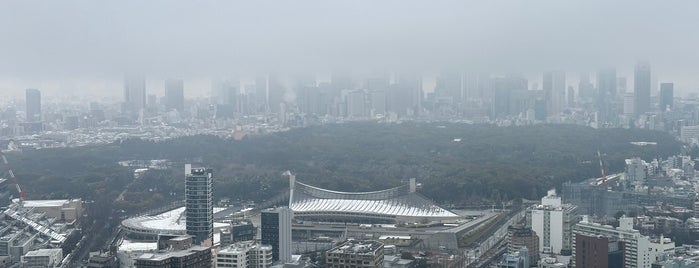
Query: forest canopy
{"x": 456, "y": 163}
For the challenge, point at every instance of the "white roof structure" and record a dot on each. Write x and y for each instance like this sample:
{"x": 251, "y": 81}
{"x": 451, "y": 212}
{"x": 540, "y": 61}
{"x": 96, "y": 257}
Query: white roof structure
{"x": 170, "y": 222}
{"x": 391, "y": 205}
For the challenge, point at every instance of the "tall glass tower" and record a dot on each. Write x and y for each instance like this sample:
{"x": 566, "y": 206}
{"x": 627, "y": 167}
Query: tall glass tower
{"x": 199, "y": 209}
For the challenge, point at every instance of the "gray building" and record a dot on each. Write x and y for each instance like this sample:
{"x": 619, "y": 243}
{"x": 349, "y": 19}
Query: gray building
{"x": 666, "y": 96}
{"x": 33, "y": 102}
{"x": 134, "y": 93}
{"x": 641, "y": 88}
{"x": 275, "y": 227}
{"x": 174, "y": 95}
{"x": 199, "y": 209}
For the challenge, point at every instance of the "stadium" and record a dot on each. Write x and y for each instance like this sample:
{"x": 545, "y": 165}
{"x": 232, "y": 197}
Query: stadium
{"x": 401, "y": 204}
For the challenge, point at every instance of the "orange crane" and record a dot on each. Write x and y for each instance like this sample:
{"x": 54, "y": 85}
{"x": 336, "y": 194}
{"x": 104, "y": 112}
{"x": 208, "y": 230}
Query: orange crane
{"x": 12, "y": 175}
{"x": 601, "y": 167}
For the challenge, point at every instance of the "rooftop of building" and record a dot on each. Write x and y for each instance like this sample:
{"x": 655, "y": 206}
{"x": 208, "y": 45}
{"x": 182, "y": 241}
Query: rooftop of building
{"x": 43, "y": 252}
{"x": 244, "y": 246}
{"x": 172, "y": 221}
{"x": 163, "y": 255}
{"x": 400, "y": 201}
{"x": 357, "y": 247}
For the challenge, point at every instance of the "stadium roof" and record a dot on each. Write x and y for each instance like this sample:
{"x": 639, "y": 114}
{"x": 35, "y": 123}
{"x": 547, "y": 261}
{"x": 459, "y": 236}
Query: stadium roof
{"x": 400, "y": 203}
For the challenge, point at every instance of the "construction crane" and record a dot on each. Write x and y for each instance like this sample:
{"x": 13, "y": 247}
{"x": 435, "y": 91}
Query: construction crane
{"x": 601, "y": 167}
{"x": 8, "y": 168}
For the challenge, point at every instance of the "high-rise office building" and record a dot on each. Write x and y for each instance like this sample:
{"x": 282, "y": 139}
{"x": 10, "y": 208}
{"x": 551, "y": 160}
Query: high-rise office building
{"x": 641, "y": 88}
{"x": 199, "y": 208}
{"x": 275, "y": 227}
{"x": 449, "y": 85}
{"x": 174, "y": 95}
{"x": 606, "y": 93}
{"x": 666, "y": 96}
{"x": 275, "y": 93}
{"x": 33, "y": 101}
{"x": 134, "y": 92}
{"x": 554, "y": 84}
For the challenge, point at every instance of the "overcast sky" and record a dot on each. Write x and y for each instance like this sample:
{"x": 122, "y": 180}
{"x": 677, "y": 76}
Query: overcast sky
{"x": 88, "y": 45}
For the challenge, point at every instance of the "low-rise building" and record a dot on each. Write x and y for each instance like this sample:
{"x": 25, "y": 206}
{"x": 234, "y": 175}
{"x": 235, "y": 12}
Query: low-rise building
{"x": 245, "y": 255}
{"x": 43, "y": 258}
{"x": 355, "y": 254}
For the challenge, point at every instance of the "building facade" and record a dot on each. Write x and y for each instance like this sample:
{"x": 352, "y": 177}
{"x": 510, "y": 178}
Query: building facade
{"x": 553, "y": 221}
{"x": 199, "y": 209}
{"x": 245, "y": 255}
{"x": 355, "y": 254}
{"x": 276, "y": 231}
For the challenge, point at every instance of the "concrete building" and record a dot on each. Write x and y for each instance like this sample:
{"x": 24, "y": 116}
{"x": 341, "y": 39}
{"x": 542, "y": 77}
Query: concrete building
{"x": 199, "y": 208}
{"x": 66, "y": 210}
{"x": 554, "y": 85}
{"x": 43, "y": 258}
{"x": 641, "y": 88}
{"x": 355, "y": 254}
{"x": 519, "y": 259}
{"x": 689, "y": 134}
{"x": 598, "y": 252}
{"x": 33, "y": 105}
{"x": 245, "y": 255}
{"x": 275, "y": 228}
{"x": 666, "y": 97}
{"x": 193, "y": 257}
{"x": 636, "y": 170}
{"x": 522, "y": 238}
{"x": 638, "y": 250}
{"x": 174, "y": 95}
{"x": 553, "y": 221}
{"x": 134, "y": 93}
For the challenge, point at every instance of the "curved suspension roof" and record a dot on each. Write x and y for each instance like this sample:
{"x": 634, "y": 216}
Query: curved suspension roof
{"x": 398, "y": 202}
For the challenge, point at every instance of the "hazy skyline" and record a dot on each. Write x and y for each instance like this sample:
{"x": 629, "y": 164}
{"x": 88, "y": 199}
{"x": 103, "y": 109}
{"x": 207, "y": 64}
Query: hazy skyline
{"x": 88, "y": 45}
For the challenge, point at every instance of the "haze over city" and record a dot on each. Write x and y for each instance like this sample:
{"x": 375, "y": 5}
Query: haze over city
{"x": 86, "y": 47}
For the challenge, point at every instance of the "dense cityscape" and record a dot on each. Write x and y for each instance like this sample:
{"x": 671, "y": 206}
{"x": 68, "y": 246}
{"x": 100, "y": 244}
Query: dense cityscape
{"x": 349, "y": 134}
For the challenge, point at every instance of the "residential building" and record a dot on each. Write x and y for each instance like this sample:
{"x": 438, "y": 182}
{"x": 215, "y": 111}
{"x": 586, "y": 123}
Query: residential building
{"x": 355, "y": 254}
{"x": 245, "y": 255}
{"x": 638, "y": 250}
{"x": 199, "y": 209}
{"x": 553, "y": 221}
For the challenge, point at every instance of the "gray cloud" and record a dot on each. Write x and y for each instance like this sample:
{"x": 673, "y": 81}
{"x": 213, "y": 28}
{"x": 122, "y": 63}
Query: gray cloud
{"x": 41, "y": 39}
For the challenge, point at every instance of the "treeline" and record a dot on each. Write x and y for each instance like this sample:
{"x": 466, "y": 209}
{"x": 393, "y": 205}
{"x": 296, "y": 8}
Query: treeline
{"x": 456, "y": 163}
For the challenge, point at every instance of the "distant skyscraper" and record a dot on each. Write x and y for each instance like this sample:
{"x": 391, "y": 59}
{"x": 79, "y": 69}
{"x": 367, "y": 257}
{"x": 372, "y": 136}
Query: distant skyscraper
{"x": 275, "y": 226}
{"x": 135, "y": 93}
{"x": 606, "y": 93}
{"x": 275, "y": 93}
{"x": 33, "y": 101}
{"x": 666, "y": 96}
{"x": 174, "y": 95}
{"x": 641, "y": 88}
{"x": 607, "y": 83}
{"x": 449, "y": 85}
{"x": 199, "y": 208}
{"x": 554, "y": 92}
{"x": 410, "y": 84}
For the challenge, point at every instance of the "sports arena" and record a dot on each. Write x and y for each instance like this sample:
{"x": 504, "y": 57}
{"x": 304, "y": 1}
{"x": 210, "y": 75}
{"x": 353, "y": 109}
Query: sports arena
{"x": 401, "y": 204}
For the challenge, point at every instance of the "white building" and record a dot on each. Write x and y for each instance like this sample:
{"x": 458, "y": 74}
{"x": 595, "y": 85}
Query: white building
{"x": 636, "y": 171}
{"x": 245, "y": 255}
{"x": 43, "y": 258}
{"x": 689, "y": 134}
{"x": 553, "y": 222}
{"x": 639, "y": 250}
